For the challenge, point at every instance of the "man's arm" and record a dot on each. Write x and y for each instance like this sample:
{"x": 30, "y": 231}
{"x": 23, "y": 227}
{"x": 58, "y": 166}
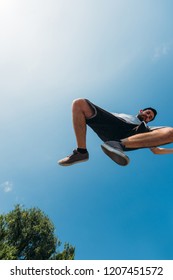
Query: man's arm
{"x": 161, "y": 151}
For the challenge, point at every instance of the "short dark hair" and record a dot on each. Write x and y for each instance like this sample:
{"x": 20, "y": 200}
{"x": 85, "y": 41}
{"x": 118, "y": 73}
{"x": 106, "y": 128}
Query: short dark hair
{"x": 152, "y": 109}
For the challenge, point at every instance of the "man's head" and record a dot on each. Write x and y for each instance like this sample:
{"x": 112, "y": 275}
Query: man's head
{"x": 147, "y": 114}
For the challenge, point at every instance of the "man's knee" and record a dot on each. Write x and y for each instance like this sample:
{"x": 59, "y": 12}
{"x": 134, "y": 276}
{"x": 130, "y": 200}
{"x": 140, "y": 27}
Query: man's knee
{"x": 166, "y": 133}
{"x": 78, "y": 103}
{"x": 81, "y": 105}
{"x": 170, "y": 133}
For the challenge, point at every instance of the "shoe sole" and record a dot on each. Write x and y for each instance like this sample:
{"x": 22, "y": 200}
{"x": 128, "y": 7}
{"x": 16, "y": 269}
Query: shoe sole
{"x": 116, "y": 155}
{"x": 68, "y": 164}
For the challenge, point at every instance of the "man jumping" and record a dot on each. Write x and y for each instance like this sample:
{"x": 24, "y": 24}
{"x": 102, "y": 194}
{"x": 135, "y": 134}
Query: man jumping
{"x": 108, "y": 126}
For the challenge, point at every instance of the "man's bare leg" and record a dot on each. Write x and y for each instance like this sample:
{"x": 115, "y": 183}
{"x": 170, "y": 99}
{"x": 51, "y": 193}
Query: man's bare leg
{"x": 80, "y": 111}
{"x": 150, "y": 139}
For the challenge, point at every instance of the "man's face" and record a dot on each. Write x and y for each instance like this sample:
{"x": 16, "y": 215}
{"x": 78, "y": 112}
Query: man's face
{"x": 146, "y": 115}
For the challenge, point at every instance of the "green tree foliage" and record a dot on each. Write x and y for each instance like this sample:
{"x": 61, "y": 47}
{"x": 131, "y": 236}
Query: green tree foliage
{"x": 28, "y": 234}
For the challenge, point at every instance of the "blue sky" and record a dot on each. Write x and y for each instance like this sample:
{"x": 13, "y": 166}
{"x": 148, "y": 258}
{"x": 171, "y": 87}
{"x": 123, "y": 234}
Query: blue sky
{"x": 118, "y": 54}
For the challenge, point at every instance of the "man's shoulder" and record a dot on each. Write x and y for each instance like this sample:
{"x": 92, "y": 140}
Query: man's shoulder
{"x": 128, "y": 118}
